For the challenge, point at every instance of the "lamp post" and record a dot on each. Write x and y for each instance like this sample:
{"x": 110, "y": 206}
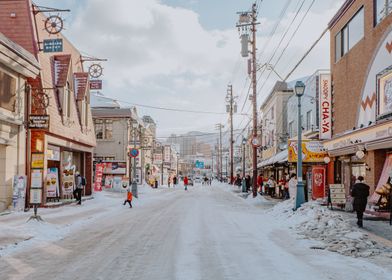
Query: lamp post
{"x": 243, "y": 165}
{"x": 300, "y": 197}
{"x": 134, "y": 182}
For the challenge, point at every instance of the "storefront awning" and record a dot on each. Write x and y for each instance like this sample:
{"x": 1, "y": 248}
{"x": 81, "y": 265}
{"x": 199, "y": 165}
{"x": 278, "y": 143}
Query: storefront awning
{"x": 278, "y": 158}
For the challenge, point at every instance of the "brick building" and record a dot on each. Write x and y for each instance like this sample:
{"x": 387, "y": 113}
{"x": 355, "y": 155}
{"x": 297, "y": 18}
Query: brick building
{"x": 61, "y": 91}
{"x": 361, "y": 68}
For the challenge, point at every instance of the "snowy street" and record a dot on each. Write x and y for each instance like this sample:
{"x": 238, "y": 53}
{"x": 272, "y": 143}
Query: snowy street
{"x": 208, "y": 232}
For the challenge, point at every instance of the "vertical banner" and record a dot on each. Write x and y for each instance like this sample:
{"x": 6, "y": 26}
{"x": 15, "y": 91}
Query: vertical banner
{"x": 167, "y": 153}
{"x": 325, "y": 105}
{"x": 98, "y": 177}
{"x": 318, "y": 182}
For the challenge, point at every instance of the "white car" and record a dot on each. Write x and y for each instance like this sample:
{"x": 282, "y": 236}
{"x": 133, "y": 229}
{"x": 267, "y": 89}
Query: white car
{"x": 197, "y": 180}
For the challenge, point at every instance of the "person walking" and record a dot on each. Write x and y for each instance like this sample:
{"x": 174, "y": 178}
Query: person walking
{"x": 247, "y": 182}
{"x": 186, "y": 183}
{"x": 79, "y": 183}
{"x": 129, "y": 198}
{"x": 293, "y": 185}
{"x": 168, "y": 182}
{"x": 238, "y": 181}
{"x": 174, "y": 181}
{"x": 260, "y": 184}
{"x": 360, "y": 192}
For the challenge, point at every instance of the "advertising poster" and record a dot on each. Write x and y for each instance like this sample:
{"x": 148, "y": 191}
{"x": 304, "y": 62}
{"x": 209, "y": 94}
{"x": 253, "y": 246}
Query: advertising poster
{"x": 35, "y": 196}
{"x": 117, "y": 182}
{"x": 36, "y": 178}
{"x": 386, "y": 172}
{"x": 312, "y": 151}
{"x": 52, "y": 183}
{"x": 108, "y": 181}
{"x": 98, "y": 177}
{"x": 385, "y": 94}
{"x": 68, "y": 182}
{"x": 37, "y": 141}
{"x": 19, "y": 192}
{"x": 37, "y": 160}
{"x": 318, "y": 182}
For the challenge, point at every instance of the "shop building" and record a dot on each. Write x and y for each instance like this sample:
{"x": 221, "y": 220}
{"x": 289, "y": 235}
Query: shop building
{"x": 274, "y": 132}
{"x": 361, "y": 67}
{"x": 16, "y": 66}
{"x": 61, "y": 136}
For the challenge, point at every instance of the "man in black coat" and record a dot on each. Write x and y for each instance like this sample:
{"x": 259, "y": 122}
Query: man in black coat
{"x": 360, "y": 192}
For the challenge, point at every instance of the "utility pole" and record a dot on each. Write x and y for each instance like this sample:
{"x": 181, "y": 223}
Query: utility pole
{"x": 220, "y": 126}
{"x": 247, "y": 23}
{"x": 231, "y": 108}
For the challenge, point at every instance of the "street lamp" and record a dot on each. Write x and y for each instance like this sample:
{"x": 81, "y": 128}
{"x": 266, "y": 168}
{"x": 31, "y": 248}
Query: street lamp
{"x": 134, "y": 182}
{"x": 300, "y": 197}
{"x": 244, "y": 140}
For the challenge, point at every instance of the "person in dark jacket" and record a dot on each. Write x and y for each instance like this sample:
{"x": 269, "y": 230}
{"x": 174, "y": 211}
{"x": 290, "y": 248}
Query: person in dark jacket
{"x": 360, "y": 192}
{"x": 238, "y": 181}
{"x": 247, "y": 182}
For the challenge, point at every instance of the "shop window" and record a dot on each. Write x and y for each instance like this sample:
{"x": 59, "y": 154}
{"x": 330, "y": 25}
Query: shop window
{"x": 7, "y": 91}
{"x": 384, "y": 94}
{"x": 350, "y": 35}
{"x": 382, "y": 9}
{"x": 103, "y": 129}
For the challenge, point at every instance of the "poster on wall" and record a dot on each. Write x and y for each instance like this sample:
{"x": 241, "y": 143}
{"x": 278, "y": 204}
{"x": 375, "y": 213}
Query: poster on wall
{"x": 37, "y": 141}
{"x": 36, "y": 178}
{"x": 318, "y": 182}
{"x": 98, "y": 177}
{"x": 37, "y": 160}
{"x": 117, "y": 182}
{"x": 18, "y": 192}
{"x": 385, "y": 95}
{"x": 52, "y": 183}
{"x": 385, "y": 174}
{"x": 325, "y": 105}
{"x": 108, "y": 181}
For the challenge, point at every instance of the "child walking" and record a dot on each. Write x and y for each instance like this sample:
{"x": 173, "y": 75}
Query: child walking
{"x": 129, "y": 198}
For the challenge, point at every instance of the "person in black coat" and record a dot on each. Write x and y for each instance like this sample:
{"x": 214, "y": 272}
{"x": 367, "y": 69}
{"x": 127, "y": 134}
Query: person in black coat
{"x": 360, "y": 192}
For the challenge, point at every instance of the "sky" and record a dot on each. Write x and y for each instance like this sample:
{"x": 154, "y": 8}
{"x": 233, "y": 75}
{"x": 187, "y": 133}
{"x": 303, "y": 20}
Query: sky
{"x": 183, "y": 53}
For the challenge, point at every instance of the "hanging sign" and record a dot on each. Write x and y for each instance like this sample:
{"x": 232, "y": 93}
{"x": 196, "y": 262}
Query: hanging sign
{"x": 95, "y": 84}
{"x": 325, "y": 95}
{"x": 39, "y": 121}
{"x": 53, "y": 45}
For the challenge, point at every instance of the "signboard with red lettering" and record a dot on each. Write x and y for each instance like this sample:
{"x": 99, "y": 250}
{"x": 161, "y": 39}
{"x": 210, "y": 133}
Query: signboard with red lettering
{"x": 98, "y": 176}
{"x": 95, "y": 84}
{"x": 325, "y": 106}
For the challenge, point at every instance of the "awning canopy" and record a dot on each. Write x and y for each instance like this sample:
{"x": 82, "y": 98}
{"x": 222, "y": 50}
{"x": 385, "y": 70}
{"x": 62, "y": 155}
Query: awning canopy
{"x": 278, "y": 158}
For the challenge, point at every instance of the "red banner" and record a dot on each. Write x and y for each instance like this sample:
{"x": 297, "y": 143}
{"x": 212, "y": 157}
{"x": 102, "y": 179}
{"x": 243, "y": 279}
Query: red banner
{"x": 318, "y": 182}
{"x": 98, "y": 176}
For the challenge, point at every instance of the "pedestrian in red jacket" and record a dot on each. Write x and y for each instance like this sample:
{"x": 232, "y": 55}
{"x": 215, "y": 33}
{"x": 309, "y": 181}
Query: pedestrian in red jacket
{"x": 186, "y": 182}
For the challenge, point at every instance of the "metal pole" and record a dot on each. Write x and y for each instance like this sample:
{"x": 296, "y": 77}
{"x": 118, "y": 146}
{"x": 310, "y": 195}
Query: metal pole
{"x": 134, "y": 182}
{"x": 162, "y": 168}
{"x": 300, "y": 198}
{"x": 221, "y": 152}
{"x": 231, "y": 137}
{"x": 254, "y": 82}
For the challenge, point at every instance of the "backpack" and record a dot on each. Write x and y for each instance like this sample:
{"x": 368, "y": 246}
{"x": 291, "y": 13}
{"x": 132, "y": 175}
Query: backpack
{"x": 83, "y": 181}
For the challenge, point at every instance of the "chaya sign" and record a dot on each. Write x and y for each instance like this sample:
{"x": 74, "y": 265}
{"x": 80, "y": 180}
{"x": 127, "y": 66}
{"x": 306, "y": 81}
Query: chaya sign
{"x": 325, "y": 106}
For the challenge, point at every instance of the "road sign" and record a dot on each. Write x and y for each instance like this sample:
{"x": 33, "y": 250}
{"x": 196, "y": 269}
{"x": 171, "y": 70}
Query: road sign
{"x": 199, "y": 164}
{"x": 133, "y": 152}
{"x": 53, "y": 45}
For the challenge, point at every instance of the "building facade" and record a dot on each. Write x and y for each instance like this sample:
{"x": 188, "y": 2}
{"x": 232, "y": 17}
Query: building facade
{"x": 60, "y": 96}
{"x": 361, "y": 67}
{"x": 16, "y": 66}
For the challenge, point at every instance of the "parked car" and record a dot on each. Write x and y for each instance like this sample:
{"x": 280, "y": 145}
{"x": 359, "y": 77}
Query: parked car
{"x": 197, "y": 180}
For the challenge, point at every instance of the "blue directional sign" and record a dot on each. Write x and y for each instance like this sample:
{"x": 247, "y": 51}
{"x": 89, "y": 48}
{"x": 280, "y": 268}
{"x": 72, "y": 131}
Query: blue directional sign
{"x": 199, "y": 164}
{"x": 53, "y": 45}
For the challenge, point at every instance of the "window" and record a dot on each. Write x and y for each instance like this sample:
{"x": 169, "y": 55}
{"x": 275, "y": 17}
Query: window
{"x": 309, "y": 120}
{"x": 272, "y": 113}
{"x": 108, "y": 129}
{"x": 67, "y": 95}
{"x": 98, "y": 129}
{"x": 382, "y": 9}
{"x": 291, "y": 129}
{"x": 7, "y": 91}
{"x": 350, "y": 35}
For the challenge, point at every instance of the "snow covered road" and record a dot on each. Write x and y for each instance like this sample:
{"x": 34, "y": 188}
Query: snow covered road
{"x": 205, "y": 233}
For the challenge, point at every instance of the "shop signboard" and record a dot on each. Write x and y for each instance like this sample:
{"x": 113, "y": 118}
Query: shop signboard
{"x": 68, "y": 181}
{"x": 115, "y": 168}
{"x": 18, "y": 192}
{"x": 312, "y": 151}
{"x": 338, "y": 193}
{"x": 109, "y": 181}
{"x": 167, "y": 153}
{"x": 98, "y": 176}
{"x": 157, "y": 158}
{"x": 36, "y": 178}
{"x": 35, "y": 196}
{"x": 318, "y": 182}
{"x": 37, "y": 160}
{"x": 199, "y": 164}
{"x": 325, "y": 105}
{"x": 95, "y": 84}
{"x": 52, "y": 183}
{"x": 37, "y": 141}
{"x": 53, "y": 45}
{"x": 39, "y": 122}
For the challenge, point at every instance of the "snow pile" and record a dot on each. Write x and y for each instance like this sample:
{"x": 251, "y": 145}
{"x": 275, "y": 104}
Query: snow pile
{"x": 335, "y": 233}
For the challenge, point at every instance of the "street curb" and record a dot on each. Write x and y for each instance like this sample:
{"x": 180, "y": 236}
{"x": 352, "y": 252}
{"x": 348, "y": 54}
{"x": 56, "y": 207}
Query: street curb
{"x": 68, "y": 202}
